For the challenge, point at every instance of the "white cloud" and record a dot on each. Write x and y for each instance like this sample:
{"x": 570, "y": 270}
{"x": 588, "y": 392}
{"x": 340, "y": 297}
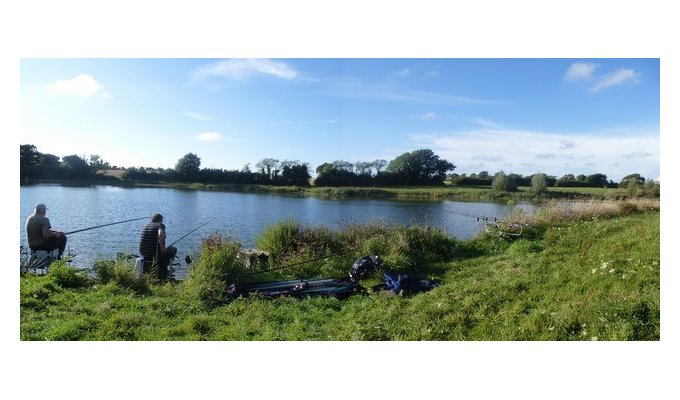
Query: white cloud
{"x": 495, "y": 149}
{"x": 433, "y": 73}
{"x": 82, "y": 85}
{"x": 403, "y": 72}
{"x": 356, "y": 88}
{"x": 209, "y": 137}
{"x": 242, "y": 69}
{"x": 615, "y": 78}
{"x": 428, "y": 115}
{"x": 198, "y": 116}
{"x": 580, "y": 71}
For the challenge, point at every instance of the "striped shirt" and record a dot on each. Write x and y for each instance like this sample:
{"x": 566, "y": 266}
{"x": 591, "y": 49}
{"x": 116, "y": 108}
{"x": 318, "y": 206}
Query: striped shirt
{"x": 148, "y": 240}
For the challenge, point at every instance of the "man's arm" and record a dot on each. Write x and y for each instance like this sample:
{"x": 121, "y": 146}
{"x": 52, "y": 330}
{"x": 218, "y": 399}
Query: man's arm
{"x": 161, "y": 238}
{"x": 48, "y": 233}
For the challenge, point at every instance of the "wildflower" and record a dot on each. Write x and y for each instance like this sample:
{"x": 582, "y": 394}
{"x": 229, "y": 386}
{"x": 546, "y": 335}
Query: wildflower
{"x": 594, "y": 338}
{"x": 612, "y": 270}
{"x": 593, "y": 270}
{"x": 623, "y": 276}
{"x": 604, "y": 265}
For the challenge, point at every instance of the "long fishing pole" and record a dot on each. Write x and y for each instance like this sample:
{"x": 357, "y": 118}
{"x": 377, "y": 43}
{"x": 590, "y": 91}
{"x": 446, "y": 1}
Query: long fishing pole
{"x": 101, "y": 226}
{"x": 479, "y": 217}
{"x": 192, "y": 231}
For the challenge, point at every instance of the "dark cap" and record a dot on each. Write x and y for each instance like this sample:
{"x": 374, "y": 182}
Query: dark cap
{"x": 156, "y": 218}
{"x": 40, "y": 206}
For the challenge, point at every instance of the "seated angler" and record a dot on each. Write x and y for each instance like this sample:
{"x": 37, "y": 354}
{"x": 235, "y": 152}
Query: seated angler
{"x": 156, "y": 256}
{"x": 40, "y": 235}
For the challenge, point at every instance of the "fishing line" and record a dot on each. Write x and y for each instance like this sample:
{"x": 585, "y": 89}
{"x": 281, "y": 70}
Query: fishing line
{"x": 101, "y": 226}
{"x": 194, "y": 230}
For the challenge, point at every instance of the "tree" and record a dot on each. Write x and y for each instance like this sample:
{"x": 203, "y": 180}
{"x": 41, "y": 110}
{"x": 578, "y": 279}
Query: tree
{"x": 97, "y": 163}
{"x": 343, "y": 165}
{"x": 632, "y": 177}
{"x": 266, "y": 166}
{"x": 539, "y": 183}
{"x": 49, "y": 166}
{"x": 295, "y": 174}
{"x": 502, "y": 183}
{"x": 363, "y": 167}
{"x": 378, "y": 165}
{"x": 420, "y": 167}
{"x": 188, "y": 167}
{"x": 597, "y": 180}
{"x": 652, "y": 188}
{"x": 29, "y": 157}
{"x": 75, "y": 166}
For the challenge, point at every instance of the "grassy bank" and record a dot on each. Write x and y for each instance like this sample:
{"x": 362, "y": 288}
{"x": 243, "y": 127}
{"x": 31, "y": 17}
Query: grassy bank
{"x": 586, "y": 274}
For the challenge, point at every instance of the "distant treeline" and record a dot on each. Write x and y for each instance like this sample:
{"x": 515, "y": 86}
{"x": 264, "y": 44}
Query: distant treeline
{"x": 415, "y": 168}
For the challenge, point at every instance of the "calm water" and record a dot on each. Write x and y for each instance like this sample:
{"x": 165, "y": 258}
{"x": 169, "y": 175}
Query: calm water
{"x": 240, "y": 215}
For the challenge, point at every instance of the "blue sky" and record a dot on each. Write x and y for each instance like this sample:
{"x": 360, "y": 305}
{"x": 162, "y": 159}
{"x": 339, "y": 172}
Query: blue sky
{"x": 555, "y": 116}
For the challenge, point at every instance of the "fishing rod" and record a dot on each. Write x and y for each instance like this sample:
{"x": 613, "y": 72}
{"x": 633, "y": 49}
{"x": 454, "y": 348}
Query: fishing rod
{"x": 288, "y": 265}
{"x": 479, "y": 217}
{"x": 101, "y": 226}
{"x": 348, "y": 251}
{"x": 493, "y": 224}
{"x": 192, "y": 231}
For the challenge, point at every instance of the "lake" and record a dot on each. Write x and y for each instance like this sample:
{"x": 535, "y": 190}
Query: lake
{"x": 239, "y": 215}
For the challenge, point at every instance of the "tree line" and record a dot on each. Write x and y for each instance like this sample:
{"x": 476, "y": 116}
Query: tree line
{"x": 416, "y": 168}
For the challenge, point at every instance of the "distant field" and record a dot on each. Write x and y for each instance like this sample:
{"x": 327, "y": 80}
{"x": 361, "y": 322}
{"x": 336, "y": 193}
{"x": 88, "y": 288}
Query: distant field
{"x": 118, "y": 173}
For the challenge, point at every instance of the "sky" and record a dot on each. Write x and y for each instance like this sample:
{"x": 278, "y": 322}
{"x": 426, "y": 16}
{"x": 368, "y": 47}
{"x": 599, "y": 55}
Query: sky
{"x": 556, "y": 116}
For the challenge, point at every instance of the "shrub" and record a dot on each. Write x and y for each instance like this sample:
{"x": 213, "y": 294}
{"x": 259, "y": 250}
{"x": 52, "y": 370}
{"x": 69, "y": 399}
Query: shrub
{"x": 67, "y": 276}
{"x": 218, "y": 264}
{"x": 279, "y": 239}
{"x": 503, "y": 183}
{"x": 103, "y": 270}
{"x": 538, "y": 184}
{"x": 122, "y": 273}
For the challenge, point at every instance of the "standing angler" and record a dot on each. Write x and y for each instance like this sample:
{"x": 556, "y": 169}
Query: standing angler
{"x": 152, "y": 248}
{"x": 39, "y": 232}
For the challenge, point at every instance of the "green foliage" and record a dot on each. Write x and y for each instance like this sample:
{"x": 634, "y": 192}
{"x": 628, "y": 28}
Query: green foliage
{"x": 503, "y": 183}
{"x": 188, "y": 166}
{"x": 539, "y": 183}
{"x": 410, "y": 248}
{"x": 420, "y": 167}
{"x": 279, "y": 239}
{"x": 66, "y": 276}
{"x": 75, "y": 167}
{"x": 121, "y": 272}
{"x": 631, "y": 180}
{"x": 218, "y": 265}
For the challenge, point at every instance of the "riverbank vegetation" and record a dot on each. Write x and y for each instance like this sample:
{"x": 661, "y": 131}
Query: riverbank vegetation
{"x": 419, "y": 174}
{"x": 589, "y": 271}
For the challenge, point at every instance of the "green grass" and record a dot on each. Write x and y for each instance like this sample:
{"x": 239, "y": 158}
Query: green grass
{"x": 595, "y": 278}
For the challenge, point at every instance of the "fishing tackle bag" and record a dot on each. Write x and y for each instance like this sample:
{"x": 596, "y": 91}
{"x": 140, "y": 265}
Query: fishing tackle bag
{"x": 364, "y": 266}
{"x": 404, "y": 284}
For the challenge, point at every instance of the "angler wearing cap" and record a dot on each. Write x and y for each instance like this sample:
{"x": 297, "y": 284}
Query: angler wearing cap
{"x": 39, "y": 232}
{"x": 152, "y": 247}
